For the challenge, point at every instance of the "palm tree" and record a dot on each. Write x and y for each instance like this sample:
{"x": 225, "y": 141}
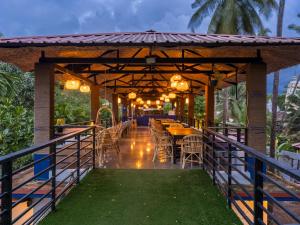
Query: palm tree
{"x": 232, "y": 16}
{"x": 9, "y": 74}
{"x": 236, "y": 112}
{"x": 295, "y": 27}
{"x": 275, "y": 84}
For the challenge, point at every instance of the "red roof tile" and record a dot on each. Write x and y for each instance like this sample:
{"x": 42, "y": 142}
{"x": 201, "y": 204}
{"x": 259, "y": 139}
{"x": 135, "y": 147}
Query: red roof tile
{"x": 146, "y": 38}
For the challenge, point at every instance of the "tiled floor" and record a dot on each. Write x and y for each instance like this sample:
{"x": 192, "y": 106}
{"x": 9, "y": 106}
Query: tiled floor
{"x": 136, "y": 151}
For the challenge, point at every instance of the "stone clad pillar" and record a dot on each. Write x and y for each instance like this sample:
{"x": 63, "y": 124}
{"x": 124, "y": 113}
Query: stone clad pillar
{"x": 95, "y": 101}
{"x": 115, "y": 107}
{"x": 256, "y": 105}
{"x": 191, "y": 106}
{"x": 43, "y": 103}
{"x": 209, "y": 105}
{"x": 43, "y": 114}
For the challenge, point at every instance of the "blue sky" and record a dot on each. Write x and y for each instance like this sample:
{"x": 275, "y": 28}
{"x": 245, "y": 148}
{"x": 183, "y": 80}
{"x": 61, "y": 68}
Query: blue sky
{"x": 46, "y": 17}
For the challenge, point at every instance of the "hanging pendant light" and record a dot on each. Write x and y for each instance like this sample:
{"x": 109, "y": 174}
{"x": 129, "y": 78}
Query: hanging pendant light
{"x": 148, "y": 102}
{"x": 167, "y": 100}
{"x": 161, "y": 98}
{"x": 176, "y": 78}
{"x": 182, "y": 85}
{"x": 72, "y": 84}
{"x": 119, "y": 100}
{"x": 157, "y": 102}
{"x": 84, "y": 88}
{"x": 132, "y": 95}
{"x": 174, "y": 84}
{"x": 139, "y": 99}
{"x": 172, "y": 95}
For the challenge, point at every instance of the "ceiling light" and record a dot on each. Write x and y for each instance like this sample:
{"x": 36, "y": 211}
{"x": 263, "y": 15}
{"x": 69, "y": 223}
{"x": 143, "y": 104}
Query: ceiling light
{"x": 132, "y": 95}
{"x": 72, "y": 84}
{"x": 84, "y": 88}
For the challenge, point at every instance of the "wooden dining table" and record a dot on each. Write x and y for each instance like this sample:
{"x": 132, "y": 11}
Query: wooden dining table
{"x": 179, "y": 133}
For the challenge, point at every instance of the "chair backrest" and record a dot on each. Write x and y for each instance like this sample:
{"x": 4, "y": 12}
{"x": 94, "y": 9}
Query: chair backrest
{"x": 193, "y": 143}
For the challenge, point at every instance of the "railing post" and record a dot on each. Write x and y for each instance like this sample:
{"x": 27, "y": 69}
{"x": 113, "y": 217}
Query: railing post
{"x": 78, "y": 159}
{"x": 238, "y": 134}
{"x": 229, "y": 168}
{"x": 53, "y": 180}
{"x": 214, "y": 160}
{"x": 258, "y": 195}
{"x": 94, "y": 148}
{"x": 6, "y": 186}
{"x": 226, "y": 131}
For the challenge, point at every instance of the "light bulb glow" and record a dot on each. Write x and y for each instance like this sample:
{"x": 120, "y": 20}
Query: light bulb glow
{"x": 132, "y": 95}
{"x": 175, "y": 78}
{"x": 84, "y": 88}
{"x": 72, "y": 84}
{"x": 187, "y": 100}
{"x": 172, "y": 95}
{"x": 182, "y": 85}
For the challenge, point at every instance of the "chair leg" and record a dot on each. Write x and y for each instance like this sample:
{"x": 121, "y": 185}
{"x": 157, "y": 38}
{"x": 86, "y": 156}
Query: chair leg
{"x": 172, "y": 155}
{"x": 154, "y": 154}
{"x": 183, "y": 160}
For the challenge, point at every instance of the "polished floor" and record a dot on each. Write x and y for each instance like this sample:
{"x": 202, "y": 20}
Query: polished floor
{"x": 136, "y": 152}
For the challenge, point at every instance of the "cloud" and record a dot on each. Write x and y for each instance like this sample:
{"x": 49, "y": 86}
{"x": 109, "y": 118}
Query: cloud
{"x": 92, "y": 16}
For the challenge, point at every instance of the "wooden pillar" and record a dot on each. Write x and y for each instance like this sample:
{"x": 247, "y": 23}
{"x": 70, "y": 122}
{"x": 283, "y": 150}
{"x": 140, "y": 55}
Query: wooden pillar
{"x": 115, "y": 107}
{"x": 43, "y": 103}
{"x": 256, "y": 105}
{"x": 129, "y": 109}
{"x": 209, "y": 106}
{"x": 191, "y": 106}
{"x": 124, "y": 109}
{"x": 95, "y": 102}
{"x": 177, "y": 108}
{"x": 181, "y": 110}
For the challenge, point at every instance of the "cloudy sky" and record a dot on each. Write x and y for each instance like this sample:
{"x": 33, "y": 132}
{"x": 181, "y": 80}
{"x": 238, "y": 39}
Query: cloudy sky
{"x": 47, "y": 17}
{"x": 44, "y": 17}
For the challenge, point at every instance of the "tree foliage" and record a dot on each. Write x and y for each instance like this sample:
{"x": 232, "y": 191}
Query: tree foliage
{"x": 72, "y": 106}
{"x": 295, "y": 27}
{"x": 292, "y": 122}
{"x": 232, "y": 16}
{"x": 236, "y": 104}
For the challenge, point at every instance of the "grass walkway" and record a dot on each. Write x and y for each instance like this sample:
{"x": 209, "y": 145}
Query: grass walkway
{"x": 142, "y": 197}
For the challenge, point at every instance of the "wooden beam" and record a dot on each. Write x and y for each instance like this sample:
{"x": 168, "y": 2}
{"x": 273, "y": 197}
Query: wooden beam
{"x": 156, "y": 71}
{"x": 69, "y": 72}
{"x": 207, "y": 60}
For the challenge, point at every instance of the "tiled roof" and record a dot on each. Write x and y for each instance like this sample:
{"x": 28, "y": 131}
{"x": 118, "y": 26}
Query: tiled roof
{"x": 146, "y": 38}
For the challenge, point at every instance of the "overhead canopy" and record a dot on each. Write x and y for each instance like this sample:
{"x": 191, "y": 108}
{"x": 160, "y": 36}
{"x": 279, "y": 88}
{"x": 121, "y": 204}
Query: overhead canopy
{"x": 146, "y": 60}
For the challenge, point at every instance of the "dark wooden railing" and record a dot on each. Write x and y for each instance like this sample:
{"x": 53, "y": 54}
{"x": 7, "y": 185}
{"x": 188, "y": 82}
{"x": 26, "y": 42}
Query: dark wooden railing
{"x": 65, "y": 160}
{"x": 265, "y": 180}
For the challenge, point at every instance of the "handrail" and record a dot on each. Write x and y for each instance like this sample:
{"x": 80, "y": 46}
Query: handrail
{"x": 32, "y": 149}
{"x": 227, "y": 161}
{"x": 75, "y": 159}
{"x": 273, "y": 162}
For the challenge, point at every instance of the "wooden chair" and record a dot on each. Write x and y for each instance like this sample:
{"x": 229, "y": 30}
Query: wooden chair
{"x": 191, "y": 150}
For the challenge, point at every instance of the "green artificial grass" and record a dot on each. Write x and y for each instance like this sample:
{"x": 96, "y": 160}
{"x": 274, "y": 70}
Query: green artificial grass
{"x": 141, "y": 197}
